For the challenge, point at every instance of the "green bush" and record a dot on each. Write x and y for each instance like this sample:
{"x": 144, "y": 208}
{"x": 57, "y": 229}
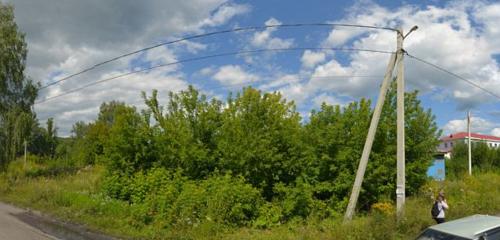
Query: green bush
{"x": 269, "y": 215}
{"x": 230, "y": 200}
{"x": 116, "y": 185}
{"x": 171, "y": 199}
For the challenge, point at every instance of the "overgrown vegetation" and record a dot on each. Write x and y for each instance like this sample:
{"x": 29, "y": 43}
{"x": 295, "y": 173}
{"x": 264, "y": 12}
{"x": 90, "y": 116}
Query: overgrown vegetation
{"x": 77, "y": 197}
{"x": 249, "y": 163}
{"x": 252, "y": 158}
{"x": 246, "y": 167}
{"x": 17, "y": 92}
{"x": 483, "y": 157}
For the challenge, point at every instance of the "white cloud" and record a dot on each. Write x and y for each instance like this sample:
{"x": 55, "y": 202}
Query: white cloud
{"x": 66, "y": 37}
{"x": 161, "y": 55}
{"x": 489, "y": 15}
{"x": 206, "y": 71}
{"x": 224, "y": 13}
{"x": 280, "y": 81}
{"x": 461, "y": 37}
{"x": 362, "y": 13}
{"x": 234, "y": 75}
{"x": 478, "y": 125}
{"x": 294, "y": 92}
{"x": 496, "y": 132}
{"x": 265, "y": 40}
{"x": 343, "y": 80}
{"x": 84, "y": 105}
{"x": 310, "y": 59}
{"x": 328, "y": 99}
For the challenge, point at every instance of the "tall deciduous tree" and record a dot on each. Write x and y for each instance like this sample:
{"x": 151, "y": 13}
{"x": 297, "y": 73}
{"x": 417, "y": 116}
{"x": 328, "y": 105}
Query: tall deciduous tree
{"x": 260, "y": 139}
{"x": 44, "y": 141}
{"x": 185, "y": 131}
{"x": 17, "y": 92}
{"x": 337, "y": 136}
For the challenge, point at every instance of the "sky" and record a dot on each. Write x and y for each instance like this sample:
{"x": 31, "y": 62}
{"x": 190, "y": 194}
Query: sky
{"x": 65, "y": 37}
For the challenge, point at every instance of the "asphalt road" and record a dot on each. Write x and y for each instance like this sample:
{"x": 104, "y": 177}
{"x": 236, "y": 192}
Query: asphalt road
{"x": 13, "y": 228}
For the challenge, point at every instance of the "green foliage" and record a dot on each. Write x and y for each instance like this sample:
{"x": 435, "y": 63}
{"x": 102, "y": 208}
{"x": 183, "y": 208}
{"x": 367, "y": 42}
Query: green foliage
{"x": 168, "y": 196}
{"x": 483, "y": 158}
{"x": 337, "y": 136}
{"x": 161, "y": 155}
{"x": 44, "y": 142}
{"x": 17, "y": 93}
{"x": 76, "y": 197}
{"x": 199, "y": 163}
{"x": 203, "y": 164}
{"x": 184, "y": 132}
{"x": 231, "y": 201}
{"x": 86, "y": 145}
{"x": 260, "y": 139}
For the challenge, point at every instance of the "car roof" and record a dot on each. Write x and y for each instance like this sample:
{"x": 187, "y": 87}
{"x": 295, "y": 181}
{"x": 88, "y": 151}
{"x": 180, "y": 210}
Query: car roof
{"x": 468, "y": 227}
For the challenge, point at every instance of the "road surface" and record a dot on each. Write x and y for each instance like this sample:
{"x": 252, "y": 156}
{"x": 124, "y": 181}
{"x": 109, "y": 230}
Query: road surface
{"x": 13, "y": 228}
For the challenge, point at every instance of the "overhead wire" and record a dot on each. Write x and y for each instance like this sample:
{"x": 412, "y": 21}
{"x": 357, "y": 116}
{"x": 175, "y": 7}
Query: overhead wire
{"x": 238, "y": 29}
{"x": 453, "y": 74}
{"x": 208, "y": 57}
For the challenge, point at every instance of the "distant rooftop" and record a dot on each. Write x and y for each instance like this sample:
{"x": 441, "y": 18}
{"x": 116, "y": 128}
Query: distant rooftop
{"x": 462, "y": 135}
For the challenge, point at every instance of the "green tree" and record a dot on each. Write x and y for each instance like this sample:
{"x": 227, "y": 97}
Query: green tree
{"x": 260, "y": 139}
{"x": 90, "y": 139}
{"x": 483, "y": 157}
{"x": 421, "y": 140}
{"x": 51, "y": 137}
{"x": 185, "y": 131}
{"x": 127, "y": 149}
{"x": 44, "y": 140}
{"x": 337, "y": 136}
{"x": 17, "y": 92}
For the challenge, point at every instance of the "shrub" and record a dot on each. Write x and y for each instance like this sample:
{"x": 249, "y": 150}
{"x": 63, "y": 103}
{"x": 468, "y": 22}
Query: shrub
{"x": 269, "y": 215}
{"x": 116, "y": 185}
{"x": 230, "y": 200}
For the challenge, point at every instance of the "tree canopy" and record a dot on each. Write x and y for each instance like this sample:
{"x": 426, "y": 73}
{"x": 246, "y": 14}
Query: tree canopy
{"x": 17, "y": 92}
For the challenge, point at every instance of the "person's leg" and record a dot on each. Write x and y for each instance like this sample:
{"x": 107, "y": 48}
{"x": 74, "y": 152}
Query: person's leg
{"x": 440, "y": 220}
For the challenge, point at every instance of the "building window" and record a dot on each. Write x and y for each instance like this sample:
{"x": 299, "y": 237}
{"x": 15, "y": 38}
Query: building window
{"x": 445, "y": 145}
{"x": 451, "y": 144}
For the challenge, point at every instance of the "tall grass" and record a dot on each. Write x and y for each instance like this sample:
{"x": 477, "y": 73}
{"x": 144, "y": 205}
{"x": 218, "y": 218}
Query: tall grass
{"x": 74, "y": 195}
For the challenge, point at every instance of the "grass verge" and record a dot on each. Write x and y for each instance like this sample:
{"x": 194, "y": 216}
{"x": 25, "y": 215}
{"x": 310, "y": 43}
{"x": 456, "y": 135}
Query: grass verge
{"x": 73, "y": 195}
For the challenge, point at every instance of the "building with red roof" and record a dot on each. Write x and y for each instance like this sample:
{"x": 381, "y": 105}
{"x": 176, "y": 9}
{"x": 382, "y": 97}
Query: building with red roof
{"x": 447, "y": 142}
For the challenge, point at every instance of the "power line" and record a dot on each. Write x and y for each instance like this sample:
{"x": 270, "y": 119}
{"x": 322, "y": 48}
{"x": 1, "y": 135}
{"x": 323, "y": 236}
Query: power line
{"x": 239, "y": 29}
{"x": 453, "y": 74}
{"x": 207, "y": 57}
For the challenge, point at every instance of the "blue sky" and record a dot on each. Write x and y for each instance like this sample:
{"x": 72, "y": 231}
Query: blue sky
{"x": 65, "y": 37}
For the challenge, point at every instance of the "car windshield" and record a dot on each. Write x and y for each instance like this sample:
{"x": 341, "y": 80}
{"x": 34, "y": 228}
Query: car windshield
{"x": 430, "y": 234}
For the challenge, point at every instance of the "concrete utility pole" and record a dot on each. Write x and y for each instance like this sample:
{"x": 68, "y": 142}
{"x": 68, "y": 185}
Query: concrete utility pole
{"x": 400, "y": 191}
{"x": 400, "y": 182}
{"x": 469, "y": 141}
{"x": 369, "y": 140}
